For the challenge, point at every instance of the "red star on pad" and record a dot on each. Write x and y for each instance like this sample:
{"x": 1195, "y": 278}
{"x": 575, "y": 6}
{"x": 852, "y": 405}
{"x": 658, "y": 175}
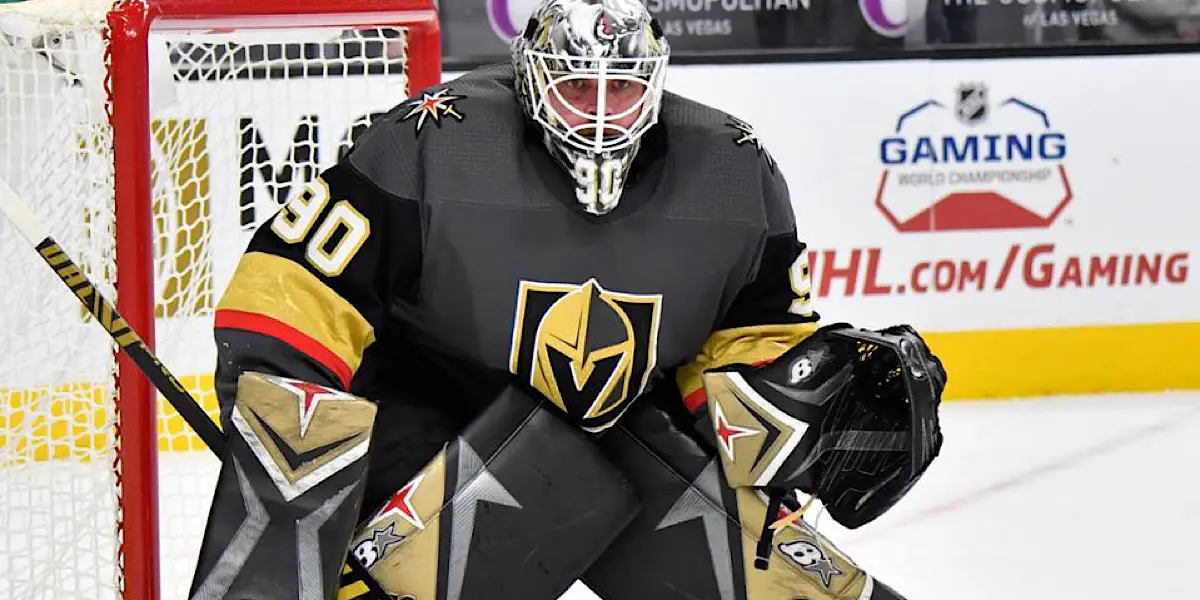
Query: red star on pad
{"x": 728, "y": 432}
{"x": 309, "y": 395}
{"x": 401, "y": 504}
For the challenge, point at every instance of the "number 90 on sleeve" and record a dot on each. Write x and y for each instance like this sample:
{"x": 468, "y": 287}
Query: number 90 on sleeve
{"x": 337, "y": 238}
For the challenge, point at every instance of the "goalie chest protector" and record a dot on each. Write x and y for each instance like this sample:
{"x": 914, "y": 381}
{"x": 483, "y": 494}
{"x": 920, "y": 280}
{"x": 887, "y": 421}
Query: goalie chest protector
{"x": 518, "y": 277}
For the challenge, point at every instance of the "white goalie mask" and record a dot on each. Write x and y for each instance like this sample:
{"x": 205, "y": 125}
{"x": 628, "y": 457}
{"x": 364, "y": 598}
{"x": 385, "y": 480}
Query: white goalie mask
{"x": 590, "y": 73}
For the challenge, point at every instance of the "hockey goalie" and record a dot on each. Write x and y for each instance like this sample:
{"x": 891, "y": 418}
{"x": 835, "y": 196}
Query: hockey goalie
{"x": 545, "y": 323}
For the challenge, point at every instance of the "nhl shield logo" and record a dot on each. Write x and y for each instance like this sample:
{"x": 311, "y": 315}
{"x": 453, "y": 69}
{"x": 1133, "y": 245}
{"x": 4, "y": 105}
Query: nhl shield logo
{"x": 972, "y": 106}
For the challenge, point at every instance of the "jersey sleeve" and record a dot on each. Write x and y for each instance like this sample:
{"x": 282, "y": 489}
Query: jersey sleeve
{"x": 315, "y": 281}
{"x": 773, "y": 311}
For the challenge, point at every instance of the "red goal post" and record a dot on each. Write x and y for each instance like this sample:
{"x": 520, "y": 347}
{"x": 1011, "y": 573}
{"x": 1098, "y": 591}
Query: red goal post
{"x": 122, "y": 155}
{"x": 129, "y": 25}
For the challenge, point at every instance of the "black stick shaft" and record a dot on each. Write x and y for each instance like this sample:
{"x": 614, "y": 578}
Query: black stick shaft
{"x": 133, "y": 346}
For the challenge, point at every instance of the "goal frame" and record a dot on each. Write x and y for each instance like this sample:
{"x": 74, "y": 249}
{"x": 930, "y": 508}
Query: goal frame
{"x": 127, "y": 80}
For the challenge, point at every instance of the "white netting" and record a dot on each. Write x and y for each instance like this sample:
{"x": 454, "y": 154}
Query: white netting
{"x": 239, "y": 117}
{"x": 58, "y": 507}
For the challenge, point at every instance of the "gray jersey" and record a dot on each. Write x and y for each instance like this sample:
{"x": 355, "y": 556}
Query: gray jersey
{"x": 450, "y": 212}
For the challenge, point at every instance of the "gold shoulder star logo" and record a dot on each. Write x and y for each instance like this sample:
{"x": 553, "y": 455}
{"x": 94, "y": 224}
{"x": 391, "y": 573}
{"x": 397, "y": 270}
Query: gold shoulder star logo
{"x": 433, "y": 108}
{"x": 747, "y": 135}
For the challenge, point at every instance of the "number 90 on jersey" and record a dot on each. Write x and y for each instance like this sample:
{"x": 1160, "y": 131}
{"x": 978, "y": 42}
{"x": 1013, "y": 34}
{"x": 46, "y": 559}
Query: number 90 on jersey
{"x": 338, "y": 236}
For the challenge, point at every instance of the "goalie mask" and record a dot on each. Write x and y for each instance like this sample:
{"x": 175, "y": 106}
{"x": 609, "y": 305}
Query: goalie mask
{"x": 590, "y": 74}
{"x": 849, "y": 416}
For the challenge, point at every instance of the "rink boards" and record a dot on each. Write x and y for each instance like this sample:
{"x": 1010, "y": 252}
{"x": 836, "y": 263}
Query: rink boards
{"x": 1036, "y": 217}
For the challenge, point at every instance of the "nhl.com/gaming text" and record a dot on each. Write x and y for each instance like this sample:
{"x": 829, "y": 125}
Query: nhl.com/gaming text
{"x": 863, "y": 272}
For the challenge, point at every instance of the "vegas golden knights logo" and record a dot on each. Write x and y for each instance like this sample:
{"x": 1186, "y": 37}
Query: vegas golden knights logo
{"x": 588, "y": 350}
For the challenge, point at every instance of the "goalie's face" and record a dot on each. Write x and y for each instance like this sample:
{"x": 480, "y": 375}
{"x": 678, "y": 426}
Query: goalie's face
{"x": 599, "y": 110}
{"x": 595, "y": 105}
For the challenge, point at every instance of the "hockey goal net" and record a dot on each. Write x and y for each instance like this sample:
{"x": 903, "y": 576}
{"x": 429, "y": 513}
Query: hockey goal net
{"x": 151, "y": 138}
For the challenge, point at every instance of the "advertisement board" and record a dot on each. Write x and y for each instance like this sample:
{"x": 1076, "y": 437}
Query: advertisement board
{"x": 1035, "y": 217}
{"x": 1041, "y": 212}
{"x": 1062, "y": 22}
{"x": 747, "y": 31}
{"x": 479, "y": 30}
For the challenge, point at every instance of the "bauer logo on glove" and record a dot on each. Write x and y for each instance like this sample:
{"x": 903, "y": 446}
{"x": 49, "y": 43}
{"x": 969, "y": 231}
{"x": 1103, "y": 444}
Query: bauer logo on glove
{"x": 848, "y": 415}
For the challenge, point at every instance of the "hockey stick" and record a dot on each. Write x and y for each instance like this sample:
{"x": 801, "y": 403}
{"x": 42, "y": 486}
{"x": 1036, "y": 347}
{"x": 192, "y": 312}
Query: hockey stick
{"x": 356, "y": 580}
{"x": 106, "y": 314}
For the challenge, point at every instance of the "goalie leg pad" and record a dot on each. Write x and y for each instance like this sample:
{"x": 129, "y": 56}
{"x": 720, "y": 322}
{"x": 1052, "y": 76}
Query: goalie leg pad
{"x": 517, "y": 506}
{"x": 696, "y": 537}
{"x": 288, "y": 494}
